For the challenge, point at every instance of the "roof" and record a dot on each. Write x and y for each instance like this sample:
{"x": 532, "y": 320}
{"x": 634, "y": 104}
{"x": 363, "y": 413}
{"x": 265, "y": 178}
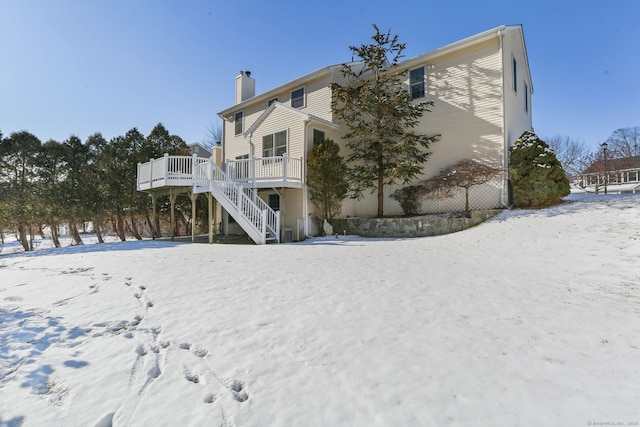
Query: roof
{"x": 303, "y": 116}
{"x": 632, "y": 162}
{"x": 328, "y": 70}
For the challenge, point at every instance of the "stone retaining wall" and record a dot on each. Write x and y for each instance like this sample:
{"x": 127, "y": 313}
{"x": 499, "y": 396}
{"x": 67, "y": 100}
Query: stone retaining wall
{"x": 418, "y": 226}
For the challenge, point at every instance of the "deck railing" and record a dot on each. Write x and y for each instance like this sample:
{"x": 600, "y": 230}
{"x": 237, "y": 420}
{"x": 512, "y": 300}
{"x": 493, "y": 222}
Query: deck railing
{"x": 280, "y": 171}
{"x": 266, "y": 169}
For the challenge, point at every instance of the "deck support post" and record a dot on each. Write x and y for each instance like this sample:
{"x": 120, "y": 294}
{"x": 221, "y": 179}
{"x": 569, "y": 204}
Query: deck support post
{"x": 194, "y": 198}
{"x": 172, "y": 199}
{"x": 210, "y": 216}
{"x": 154, "y": 216}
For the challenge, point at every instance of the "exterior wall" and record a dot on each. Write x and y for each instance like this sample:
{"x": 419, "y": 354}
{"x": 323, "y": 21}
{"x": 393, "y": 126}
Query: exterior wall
{"x": 476, "y": 112}
{"x": 291, "y": 207}
{"x": 465, "y": 87}
{"x": 517, "y": 118}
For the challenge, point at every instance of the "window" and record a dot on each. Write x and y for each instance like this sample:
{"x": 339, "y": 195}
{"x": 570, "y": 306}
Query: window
{"x": 515, "y": 75}
{"x": 526, "y": 97}
{"x": 297, "y": 98}
{"x": 318, "y": 136}
{"x": 416, "y": 83}
{"x": 238, "y": 122}
{"x": 271, "y": 101}
{"x": 275, "y": 144}
{"x": 274, "y": 201}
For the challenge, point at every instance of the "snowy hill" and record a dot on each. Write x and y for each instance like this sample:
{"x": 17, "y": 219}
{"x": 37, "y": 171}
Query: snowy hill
{"x": 530, "y": 319}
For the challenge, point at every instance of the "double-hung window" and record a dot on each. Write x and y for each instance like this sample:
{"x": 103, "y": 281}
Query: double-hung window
{"x": 297, "y": 98}
{"x": 274, "y": 144}
{"x": 416, "y": 83}
{"x": 238, "y": 122}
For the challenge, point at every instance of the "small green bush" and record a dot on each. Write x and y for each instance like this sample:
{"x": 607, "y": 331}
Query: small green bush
{"x": 409, "y": 199}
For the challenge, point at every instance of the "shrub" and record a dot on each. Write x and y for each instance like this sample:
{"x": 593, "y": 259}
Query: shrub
{"x": 538, "y": 178}
{"x": 409, "y": 199}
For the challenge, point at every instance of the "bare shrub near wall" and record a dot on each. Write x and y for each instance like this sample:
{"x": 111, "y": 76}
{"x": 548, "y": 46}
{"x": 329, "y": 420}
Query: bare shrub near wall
{"x": 461, "y": 175}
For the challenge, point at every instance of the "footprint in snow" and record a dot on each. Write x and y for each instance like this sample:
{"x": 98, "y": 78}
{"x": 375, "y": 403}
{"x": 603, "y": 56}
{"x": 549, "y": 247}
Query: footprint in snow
{"x": 238, "y": 391}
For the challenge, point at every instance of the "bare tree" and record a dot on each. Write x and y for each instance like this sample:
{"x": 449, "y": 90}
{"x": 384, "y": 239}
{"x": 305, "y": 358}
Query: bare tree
{"x": 623, "y": 143}
{"x": 461, "y": 175}
{"x": 214, "y": 136}
{"x": 570, "y": 152}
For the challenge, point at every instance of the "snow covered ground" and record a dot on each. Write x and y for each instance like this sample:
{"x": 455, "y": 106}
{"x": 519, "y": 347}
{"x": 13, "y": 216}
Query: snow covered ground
{"x": 530, "y": 319}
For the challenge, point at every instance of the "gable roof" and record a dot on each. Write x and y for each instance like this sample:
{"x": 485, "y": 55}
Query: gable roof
{"x": 303, "y": 116}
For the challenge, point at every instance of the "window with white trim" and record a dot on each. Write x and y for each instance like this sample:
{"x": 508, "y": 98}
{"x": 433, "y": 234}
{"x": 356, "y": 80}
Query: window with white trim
{"x": 274, "y": 144}
{"x": 526, "y": 97}
{"x": 416, "y": 83}
{"x": 297, "y": 98}
{"x": 238, "y": 119}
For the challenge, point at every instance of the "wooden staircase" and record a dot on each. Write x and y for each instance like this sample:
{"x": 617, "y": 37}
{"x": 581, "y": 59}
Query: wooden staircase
{"x": 253, "y": 214}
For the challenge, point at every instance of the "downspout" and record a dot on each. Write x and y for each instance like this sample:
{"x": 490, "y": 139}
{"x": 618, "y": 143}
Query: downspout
{"x": 305, "y": 203}
{"x": 505, "y": 138}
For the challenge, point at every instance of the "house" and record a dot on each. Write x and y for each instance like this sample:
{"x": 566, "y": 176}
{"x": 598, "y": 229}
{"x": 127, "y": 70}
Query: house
{"x": 620, "y": 175}
{"x": 481, "y": 88}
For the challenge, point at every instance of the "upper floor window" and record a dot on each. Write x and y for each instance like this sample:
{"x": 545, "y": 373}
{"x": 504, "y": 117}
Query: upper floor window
{"x": 526, "y": 97}
{"x": 275, "y": 144}
{"x": 238, "y": 122}
{"x": 416, "y": 83}
{"x": 271, "y": 101}
{"x": 297, "y": 98}
{"x": 318, "y": 136}
{"x": 515, "y": 75}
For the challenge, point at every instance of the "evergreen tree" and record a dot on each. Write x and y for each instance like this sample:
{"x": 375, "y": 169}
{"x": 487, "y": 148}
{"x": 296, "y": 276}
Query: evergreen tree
{"x": 326, "y": 177}
{"x": 537, "y": 176}
{"x": 380, "y": 114}
{"x": 18, "y": 182}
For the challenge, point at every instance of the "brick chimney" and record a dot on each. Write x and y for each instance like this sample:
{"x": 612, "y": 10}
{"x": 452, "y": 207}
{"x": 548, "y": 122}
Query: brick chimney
{"x": 245, "y": 86}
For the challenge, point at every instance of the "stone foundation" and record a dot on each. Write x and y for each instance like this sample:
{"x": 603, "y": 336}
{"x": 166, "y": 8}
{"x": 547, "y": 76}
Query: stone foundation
{"x": 417, "y": 226}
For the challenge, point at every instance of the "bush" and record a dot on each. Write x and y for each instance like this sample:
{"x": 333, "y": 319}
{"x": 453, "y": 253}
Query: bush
{"x": 409, "y": 199}
{"x": 537, "y": 176}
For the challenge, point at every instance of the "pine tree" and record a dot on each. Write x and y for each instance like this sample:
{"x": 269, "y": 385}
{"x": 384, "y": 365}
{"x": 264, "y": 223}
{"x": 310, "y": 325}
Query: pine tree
{"x": 537, "y": 176}
{"x": 326, "y": 177}
{"x": 377, "y": 109}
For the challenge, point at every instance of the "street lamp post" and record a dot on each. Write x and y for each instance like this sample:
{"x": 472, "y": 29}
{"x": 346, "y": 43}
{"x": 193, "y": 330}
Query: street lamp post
{"x": 606, "y": 172}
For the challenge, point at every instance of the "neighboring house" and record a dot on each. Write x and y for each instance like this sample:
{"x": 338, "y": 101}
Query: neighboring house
{"x": 481, "y": 88}
{"x": 199, "y": 150}
{"x": 613, "y": 176}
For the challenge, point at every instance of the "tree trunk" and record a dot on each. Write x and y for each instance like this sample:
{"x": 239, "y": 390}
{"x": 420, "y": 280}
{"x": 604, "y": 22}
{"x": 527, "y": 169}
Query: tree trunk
{"x": 466, "y": 202}
{"x": 120, "y": 228}
{"x": 380, "y": 183}
{"x": 54, "y": 234}
{"x": 134, "y": 228}
{"x": 75, "y": 235}
{"x": 97, "y": 230}
{"x": 22, "y": 231}
{"x": 31, "y": 237}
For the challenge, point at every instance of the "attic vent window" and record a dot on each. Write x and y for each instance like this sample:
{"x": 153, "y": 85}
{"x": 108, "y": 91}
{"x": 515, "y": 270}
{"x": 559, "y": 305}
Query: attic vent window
{"x": 297, "y": 98}
{"x": 416, "y": 83}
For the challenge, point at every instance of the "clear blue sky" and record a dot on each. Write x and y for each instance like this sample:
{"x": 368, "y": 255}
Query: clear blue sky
{"x": 79, "y": 67}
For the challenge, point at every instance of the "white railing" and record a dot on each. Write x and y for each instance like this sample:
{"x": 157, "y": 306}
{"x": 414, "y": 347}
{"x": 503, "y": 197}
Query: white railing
{"x": 168, "y": 171}
{"x": 283, "y": 169}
